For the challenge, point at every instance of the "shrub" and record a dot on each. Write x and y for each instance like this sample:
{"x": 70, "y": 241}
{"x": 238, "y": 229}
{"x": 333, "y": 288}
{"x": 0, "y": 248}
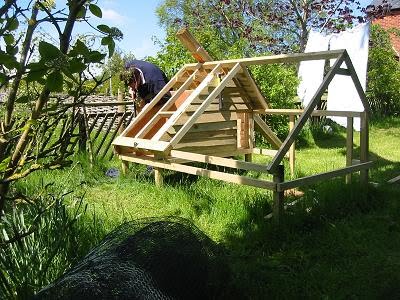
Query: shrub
{"x": 40, "y": 240}
{"x": 383, "y": 75}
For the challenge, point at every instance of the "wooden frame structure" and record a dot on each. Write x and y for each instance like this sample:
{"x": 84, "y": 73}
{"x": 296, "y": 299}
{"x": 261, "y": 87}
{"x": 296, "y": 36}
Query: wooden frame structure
{"x": 213, "y": 112}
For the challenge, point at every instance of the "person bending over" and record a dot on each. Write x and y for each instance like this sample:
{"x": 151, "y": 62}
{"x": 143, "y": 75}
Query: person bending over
{"x": 145, "y": 80}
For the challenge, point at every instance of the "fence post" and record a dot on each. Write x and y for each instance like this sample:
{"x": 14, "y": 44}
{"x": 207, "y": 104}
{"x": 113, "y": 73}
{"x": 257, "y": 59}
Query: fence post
{"x": 121, "y": 110}
{"x": 278, "y": 196}
{"x": 292, "y": 151}
{"x": 82, "y": 131}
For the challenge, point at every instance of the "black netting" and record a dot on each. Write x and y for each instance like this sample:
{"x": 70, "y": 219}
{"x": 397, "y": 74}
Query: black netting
{"x": 148, "y": 259}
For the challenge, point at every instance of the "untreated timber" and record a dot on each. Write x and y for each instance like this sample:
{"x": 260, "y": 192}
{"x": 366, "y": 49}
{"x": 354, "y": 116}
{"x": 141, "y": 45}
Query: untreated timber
{"x": 200, "y": 171}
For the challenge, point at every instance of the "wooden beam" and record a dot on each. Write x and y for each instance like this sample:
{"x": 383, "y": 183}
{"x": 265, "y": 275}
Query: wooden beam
{"x": 267, "y": 132}
{"x": 179, "y": 112}
{"x": 166, "y": 106}
{"x": 306, "y": 114}
{"x": 364, "y": 145}
{"x": 292, "y": 151}
{"x": 140, "y": 143}
{"x": 316, "y": 113}
{"x": 349, "y": 146}
{"x": 219, "y": 161}
{"x": 273, "y": 59}
{"x": 200, "y": 172}
{"x": 394, "y": 180}
{"x": 147, "y": 108}
{"x": 287, "y": 185}
{"x": 197, "y": 51}
{"x": 185, "y": 128}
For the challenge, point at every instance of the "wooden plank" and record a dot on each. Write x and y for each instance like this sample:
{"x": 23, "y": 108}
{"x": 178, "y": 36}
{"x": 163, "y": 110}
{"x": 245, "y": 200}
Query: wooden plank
{"x": 253, "y": 86}
{"x": 394, "y": 180}
{"x": 349, "y": 146}
{"x": 211, "y": 117}
{"x": 233, "y": 178}
{"x": 356, "y": 81}
{"x": 140, "y": 143}
{"x": 267, "y": 132}
{"x": 153, "y": 120}
{"x": 306, "y": 115}
{"x": 222, "y": 151}
{"x": 323, "y": 176}
{"x": 206, "y": 127}
{"x": 204, "y": 84}
{"x": 219, "y": 161}
{"x": 204, "y": 105}
{"x": 208, "y": 135}
{"x": 211, "y": 142}
{"x": 147, "y": 108}
{"x": 364, "y": 145}
{"x": 315, "y": 113}
{"x": 197, "y": 51}
{"x": 273, "y": 59}
{"x": 292, "y": 151}
{"x": 215, "y": 107}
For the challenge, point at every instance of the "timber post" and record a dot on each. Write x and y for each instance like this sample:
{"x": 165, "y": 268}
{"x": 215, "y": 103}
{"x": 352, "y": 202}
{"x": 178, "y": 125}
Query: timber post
{"x": 121, "y": 110}
{"x": 364, "y": 146}
{"x": 278, "y": 196}
{"x": 82, "y": 131}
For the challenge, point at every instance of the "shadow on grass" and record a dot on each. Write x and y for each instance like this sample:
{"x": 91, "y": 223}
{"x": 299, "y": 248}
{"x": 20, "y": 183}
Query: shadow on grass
{"x": 336, "y": 242}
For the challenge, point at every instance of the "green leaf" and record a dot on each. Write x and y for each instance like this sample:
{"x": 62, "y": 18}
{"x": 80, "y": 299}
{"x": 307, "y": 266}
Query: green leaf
{"x": 96, "y": 56}
{"x": 23, "y": 99}
{"x": 9, "y": 39}
{"x": 80, "y": 49}
{"x": 82, "y": 13}
{"x": 3, "y": 78}
{"x": 49, "y": 51}
{"x": 4, "y": 164}
{"x": 111, "y": 48}
{"x": 76, "y": 66}
{"x": 104, "y": 28}
{"x": 9, "y": 61}
{"x": 54, "y": 82}
{"x": 94, "y": 9}
{"x": 13, "y": 25}
{"x": 11, "y": 50}
{"x": 106, "y": 40}
{"x": 35, "y": 75}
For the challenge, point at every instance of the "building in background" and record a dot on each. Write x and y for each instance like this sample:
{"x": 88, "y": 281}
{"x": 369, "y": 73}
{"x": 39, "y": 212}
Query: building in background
{"x": 388, "y": 16}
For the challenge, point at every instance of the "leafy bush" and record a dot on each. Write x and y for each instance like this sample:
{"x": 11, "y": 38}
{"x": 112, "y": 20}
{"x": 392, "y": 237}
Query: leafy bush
{"x": 383, "y": 75}
{"x": 39, "y": 240}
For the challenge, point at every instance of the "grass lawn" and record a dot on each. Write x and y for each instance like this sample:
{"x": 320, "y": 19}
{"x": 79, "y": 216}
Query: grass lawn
{"x": 336, "y": 243}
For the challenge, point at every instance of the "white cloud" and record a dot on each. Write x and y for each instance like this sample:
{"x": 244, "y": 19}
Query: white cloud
{"x": 113, "y": 16}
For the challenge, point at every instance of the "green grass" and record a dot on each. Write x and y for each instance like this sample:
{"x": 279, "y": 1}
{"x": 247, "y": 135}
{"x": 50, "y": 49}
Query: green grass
{"x": 335, "y": 243}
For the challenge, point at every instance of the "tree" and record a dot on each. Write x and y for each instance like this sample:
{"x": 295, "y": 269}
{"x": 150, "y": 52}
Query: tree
{"x": 32, "y": 72}
{"x": 265, "y": 26}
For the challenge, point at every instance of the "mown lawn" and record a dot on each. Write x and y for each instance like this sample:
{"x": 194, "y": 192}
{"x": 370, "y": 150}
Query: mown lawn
{"x": 335, "y": 243}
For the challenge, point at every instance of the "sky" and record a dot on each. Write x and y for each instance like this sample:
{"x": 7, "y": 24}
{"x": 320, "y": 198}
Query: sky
{"x": 137, "y": 20}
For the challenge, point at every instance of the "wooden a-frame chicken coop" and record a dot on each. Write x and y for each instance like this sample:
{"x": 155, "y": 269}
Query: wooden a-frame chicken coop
{"x": 211, "y": 117}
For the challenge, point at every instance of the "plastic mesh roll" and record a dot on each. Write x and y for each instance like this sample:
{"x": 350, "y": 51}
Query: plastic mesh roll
{"x": 147, "y": 259}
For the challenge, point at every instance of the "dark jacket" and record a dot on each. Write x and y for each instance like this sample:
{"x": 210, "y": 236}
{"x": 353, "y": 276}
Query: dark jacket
{"x": 155, "y": 79}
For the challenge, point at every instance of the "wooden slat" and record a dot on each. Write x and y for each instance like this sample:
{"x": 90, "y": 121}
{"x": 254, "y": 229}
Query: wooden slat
{"x": 267, "y": 132}
{"x": 349, "y": 146}
{"x": 287, "y": 185}
{"x": 208, "y": 117}
{"x": 147, "y": 108}
{"x": 306, "y": 115}
{"x": 204, "y": 84}
{"x": 254, "y": 88}
{"x": 201, "y": 172}
{"x": 202, "y": 127}
{"x": 204, "y": 105}
{"x": 140, "y": 143}
{"x": 273, "y": 59}
{"x": 211, "y": 142}
{"x": 316, "y": 113}
{"x": 219, "y": 161}
{"x": 222, "y": 151}
{"x": 208, "y": 135}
